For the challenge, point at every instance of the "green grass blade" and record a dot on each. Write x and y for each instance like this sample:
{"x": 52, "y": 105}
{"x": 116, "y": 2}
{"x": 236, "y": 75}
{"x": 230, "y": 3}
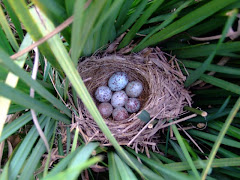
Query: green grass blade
{"x": 200, "y": 70}
{"x": 221, "y": 137}
{"x": 77, "y": 28}
{"x": 232, "y": 131}
{"x": 188, "y": 20}
{"x": 212, "y": 67}
{"x": 213, "y": 138}
{"x": 185, "y": 151}
{"x": 123, "y": 13}
{"x": 4, "y": 44}
{"x": 132, "y": 18}
{"x": 78, "y": 84}
{"x": 220, "y": 83}
{"x": 178, "y": 150}
{"x": 61, "y": 166}
{"x": 32, "y": 26}
{"x": 140, "y": 22}
{"x": 12, "y": 80}
{"x": 224, "y": 162}
{"x": 28, "y": 102}
{"x": 32, "y": 83}
{"x": 8, "y": 30}
{"x": 25, "y": 148}
{"x": 14, "y": 19}
{"x": 39, "y": 149}
{"x": 168, "y": 20}
{"x": 90, "y": 16}
{"x": 77, "y": 168}
{"x": 11, "y": 128}
{"x": 114, "y": 174}
{"x": 126, "y": 172}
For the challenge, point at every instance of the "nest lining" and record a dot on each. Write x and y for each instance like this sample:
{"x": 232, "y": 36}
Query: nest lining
{"x": 163, "y": 96}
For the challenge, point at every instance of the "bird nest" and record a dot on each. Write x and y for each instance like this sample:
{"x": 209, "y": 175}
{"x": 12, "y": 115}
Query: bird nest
{"x": 162, "y": 99}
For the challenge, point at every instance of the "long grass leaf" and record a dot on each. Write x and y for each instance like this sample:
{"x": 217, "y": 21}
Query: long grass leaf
{"x": 33, "y": 28}
{"x": 4, "y": 43}
{"x": 7, "y": 30}
{"x": 200, "y": 70}
{"x": 32, "y": 83}
{"x": 132, "y": 18}
{"x": 28, "y": 102}
{"x": 188, "y": 20}
{"x": 167, "y": 21}
{"x": 11, "y": 128}
{"x": 185, "y": 151}
{"x": 114, "y": 174}
{"x": 140, "y": 22}
{"x": 126, "y": 172}
{"x": 25, "y": 148}
{"x": 14, "y": 19}
{"x": 220, "y": 138}
{"x": 78, "y": 84}
{"x": 39, "y": 149}
{"x": 12, "y": 81}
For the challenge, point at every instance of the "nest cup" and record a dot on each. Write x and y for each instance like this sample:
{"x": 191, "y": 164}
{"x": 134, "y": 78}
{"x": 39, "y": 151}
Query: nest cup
{"x": 163, "y": 95}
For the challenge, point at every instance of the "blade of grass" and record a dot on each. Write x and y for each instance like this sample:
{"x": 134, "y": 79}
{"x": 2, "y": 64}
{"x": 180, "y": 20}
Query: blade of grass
{"x": 25, "y": 148}
{"x": 114, "y": 174}
{"x": 32, "y": 83}
{"x": 28, "y": 102}
{"x": 8, "y": 30}
{"x": 185, "y": 151}
{"x": 126, "y": 172}
{"x": 78, "y": 84}
{"x": 220, "y": 138}
{"x": 187, "y": 21}
{"x": 168, "y": 20}
{"x": 14, "y": 19}
{"x": 33, "y": 160}
{"x": 133, "y": 17}
{"x": 67, "y": 174}
{"x": 12, "y": 81}
{"x": 140, "y": 22}
{"x": 4, "y": 44}
{"x": 32, "y": 27}
{"x": 11, "y": 128}
{"x": 200, "y": 70}
{"x": 212, "y": 67}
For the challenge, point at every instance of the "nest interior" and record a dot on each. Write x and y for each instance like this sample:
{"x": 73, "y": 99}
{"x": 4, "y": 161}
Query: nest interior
{"x": 163, "y": 96}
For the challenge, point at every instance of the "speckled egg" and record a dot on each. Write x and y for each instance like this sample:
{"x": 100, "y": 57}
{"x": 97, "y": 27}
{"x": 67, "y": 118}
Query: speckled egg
{"x": 118, "y": 81}
{"x": 103, "y": 94}
{"x": 132, "y": 105}
{"x": 134, "y": 89}
{"x": 120, "y": 113}
{"x": 119, "y": 98}
{"x": 105, "y": 109}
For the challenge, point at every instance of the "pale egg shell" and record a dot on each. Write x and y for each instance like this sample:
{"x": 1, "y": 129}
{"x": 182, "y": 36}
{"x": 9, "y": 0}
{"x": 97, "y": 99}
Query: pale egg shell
{"x": 132, "y": 105}
{"x": 120, "y": 113}
{"x": 119, "y": 98}
{"x": 134, "y": 89}
{"x": 118, "y": 81}
{"x": 105, "y": 109}
{"x": 103, "y": 94}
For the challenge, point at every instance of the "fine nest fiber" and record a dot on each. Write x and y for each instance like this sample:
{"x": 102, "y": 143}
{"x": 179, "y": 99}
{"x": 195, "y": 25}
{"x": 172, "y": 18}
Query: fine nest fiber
{"x": 163, "y": 96}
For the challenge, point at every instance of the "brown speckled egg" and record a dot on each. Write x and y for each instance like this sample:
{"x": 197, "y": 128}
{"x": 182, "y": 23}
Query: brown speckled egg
{"x": 118, "y": 81}
{"x": 132, "y": 105}
{"x": 134, "y": 89}
{"x": 105, "y": 109}
{"x": 119, "y": 98}
{"x": 103, "y": 94}
{"x": 119, "y": 114}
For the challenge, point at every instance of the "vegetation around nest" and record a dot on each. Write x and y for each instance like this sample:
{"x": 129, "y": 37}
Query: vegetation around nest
{"x": 41, "y": 43}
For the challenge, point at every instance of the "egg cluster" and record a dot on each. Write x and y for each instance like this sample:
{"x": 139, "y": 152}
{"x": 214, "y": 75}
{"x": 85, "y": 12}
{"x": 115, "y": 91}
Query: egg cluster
{"x": 121, "y": 102}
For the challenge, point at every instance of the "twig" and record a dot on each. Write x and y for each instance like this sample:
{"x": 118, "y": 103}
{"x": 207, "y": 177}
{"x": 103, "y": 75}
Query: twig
{"x": 43, "y": 39}
{"x": 35, "y": 120}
